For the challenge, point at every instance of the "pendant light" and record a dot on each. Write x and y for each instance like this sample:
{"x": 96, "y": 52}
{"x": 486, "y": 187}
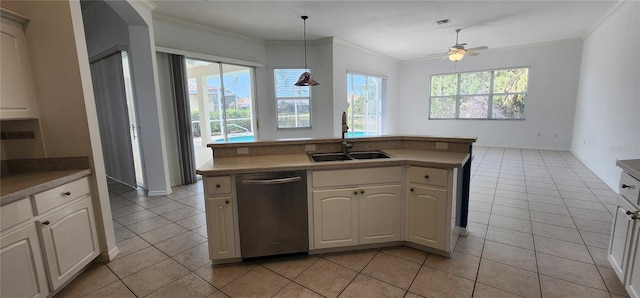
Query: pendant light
{"x": 306, "y": 79}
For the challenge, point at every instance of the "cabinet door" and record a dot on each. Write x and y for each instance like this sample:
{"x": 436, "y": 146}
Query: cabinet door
{"x": 335, "y": 218}
{"x": 69, "y": 240}
{"x": 22, "y": 271}
{"x": 620, "y": 241}
{"x": 380, "y": 209}
{"x": 632, "y": 283}
{"x": 16, "y": 92}
{"x": 426, "y": 212}
{"x": 220, "y": 228}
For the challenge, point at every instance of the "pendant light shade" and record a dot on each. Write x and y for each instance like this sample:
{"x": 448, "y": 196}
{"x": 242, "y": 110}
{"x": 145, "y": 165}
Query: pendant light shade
{"x": 306, "y": 79}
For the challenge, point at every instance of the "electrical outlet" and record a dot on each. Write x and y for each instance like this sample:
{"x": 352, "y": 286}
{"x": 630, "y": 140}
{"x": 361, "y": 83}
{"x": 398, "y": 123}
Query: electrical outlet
{"x": 243, "y": 150}
{"x": 310, "y": 147}
{"x": 442, "y": 145}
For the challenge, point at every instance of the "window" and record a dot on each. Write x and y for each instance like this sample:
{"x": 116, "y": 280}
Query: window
{"x": 365, "y": 94}
{"x": 221, "y": 101}
{"x": 494, "y": 94}
{"x": 293, "y": 102}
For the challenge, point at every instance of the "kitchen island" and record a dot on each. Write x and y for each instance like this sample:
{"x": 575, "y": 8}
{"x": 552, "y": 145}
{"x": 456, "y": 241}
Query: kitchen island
{"x": 417, "y": 197}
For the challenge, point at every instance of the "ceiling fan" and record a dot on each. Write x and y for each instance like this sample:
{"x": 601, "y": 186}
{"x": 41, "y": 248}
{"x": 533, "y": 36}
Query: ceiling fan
{"x": 457, "y": 51}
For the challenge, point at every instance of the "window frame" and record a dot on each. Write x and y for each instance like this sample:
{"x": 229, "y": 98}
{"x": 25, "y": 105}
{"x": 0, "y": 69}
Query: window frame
{"x": 275, "y": 94}
{"x": 490, "y": 95}
{"x": 382, "y": 98}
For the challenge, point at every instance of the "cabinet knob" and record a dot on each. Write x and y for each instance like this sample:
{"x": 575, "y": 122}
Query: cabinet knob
{"x": 355, "y": 192}
{"x": 68, "y": 193}
{"x": 362, "y": 192}
{"x": 46, "y": 222}
{"x": 628, "y": 186}
{"x": 218, "y": 185}
{"x": 411, "y": 189}
{"x": 628, "y": 212}
{"x": 426, "y": 176}
{"x": 634, "y": 217}
{"x": 226, "y": 201}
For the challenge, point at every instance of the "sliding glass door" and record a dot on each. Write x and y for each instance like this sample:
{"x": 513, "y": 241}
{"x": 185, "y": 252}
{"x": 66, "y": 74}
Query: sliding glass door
{"x": 221, "y": 100}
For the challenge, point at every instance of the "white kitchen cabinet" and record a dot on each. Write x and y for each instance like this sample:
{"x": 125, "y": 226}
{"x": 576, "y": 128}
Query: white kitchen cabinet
{"x": 624, "y": 246}
{"x": 22, "y": 270}
{"x": 335, "y": 218}
{"x": 347, "y": 212}
{"x": 222, "y": 224}
{"x": 427, "y": 209}
{"x": 69, "y": 240}
{"x": 45, "y": 246}
{"x": 431, "y": 208}
{"x": 17, "y": 94}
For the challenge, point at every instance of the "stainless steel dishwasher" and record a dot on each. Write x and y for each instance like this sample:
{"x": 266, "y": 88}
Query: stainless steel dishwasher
{"x": 272, "y": 213}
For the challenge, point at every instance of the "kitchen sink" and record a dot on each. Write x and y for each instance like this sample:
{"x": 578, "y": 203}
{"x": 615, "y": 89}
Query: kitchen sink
{"x": 339, "y": 156}
{"x": 369, "y": 155}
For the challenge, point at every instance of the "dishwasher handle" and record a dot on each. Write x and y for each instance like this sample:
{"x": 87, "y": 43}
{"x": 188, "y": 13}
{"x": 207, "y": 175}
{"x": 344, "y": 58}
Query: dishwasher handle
{"x": 272, "y": 181}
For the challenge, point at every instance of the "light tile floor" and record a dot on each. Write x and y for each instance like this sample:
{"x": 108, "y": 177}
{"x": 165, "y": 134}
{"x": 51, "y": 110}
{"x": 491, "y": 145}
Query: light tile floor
{"x": 539, "y": 225}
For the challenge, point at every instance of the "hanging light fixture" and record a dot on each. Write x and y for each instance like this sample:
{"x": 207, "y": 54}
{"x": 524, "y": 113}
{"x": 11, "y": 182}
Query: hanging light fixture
{"x": 456, "y": 55}
{"x": 306, "y": 79}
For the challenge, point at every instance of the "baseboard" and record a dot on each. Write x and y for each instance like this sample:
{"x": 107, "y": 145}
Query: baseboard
{"x": 461, "y": 231}
{"x": 110, "y": 256}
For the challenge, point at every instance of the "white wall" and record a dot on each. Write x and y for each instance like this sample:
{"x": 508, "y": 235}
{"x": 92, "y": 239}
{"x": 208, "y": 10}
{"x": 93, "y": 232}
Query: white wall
{"x": 607, "y": 117}
{"x": 347, "y": 56}
{"x": 549, "y": 106}
{"x": 103, "y": 27}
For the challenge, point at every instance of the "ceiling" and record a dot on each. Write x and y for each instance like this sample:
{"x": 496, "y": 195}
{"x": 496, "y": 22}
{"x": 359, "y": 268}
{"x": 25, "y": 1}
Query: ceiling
{"x": 404, "y": 30}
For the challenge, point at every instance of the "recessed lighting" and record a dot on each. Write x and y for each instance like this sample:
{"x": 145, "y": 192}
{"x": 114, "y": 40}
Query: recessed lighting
{"x": 442, "y": 22}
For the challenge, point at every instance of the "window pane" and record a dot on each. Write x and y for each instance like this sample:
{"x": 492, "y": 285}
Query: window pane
{"x": 443, "y": 107}
{"x": 364, "y": 104}
{"x": 285, "y": 80}
{"x": 293, "y": 113}
{"x": 475, "y": 82}
{"x": 474, "y": 107}
{"x": 444, "y": 85}
{"x": 509, "y": 106}
{"x": 292, "y": 101}
{"x": 237, "y": 100}
{"x": 511, "y": 80}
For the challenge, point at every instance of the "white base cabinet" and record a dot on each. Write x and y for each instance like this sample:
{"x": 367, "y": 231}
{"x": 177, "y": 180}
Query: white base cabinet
{"x": 43, "y": 248}
{"x": 222, "y": 219}
{"x": 23, "y": 273}
{"x": 624, "y": 245}
{"x": 347, "y": 212}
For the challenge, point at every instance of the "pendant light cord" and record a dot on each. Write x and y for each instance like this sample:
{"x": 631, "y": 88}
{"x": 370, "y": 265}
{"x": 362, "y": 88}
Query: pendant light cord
{"x": 304, "y": 21}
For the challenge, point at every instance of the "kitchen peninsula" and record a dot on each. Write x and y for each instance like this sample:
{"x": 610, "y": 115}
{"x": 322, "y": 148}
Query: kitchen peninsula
{"x": 388, "y": 190}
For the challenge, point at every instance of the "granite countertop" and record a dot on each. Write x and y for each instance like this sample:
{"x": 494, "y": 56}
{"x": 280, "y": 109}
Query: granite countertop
{"x": 301, "y": 161}
{"x": 630, "y": 166}
{"x": 22, "y": 178}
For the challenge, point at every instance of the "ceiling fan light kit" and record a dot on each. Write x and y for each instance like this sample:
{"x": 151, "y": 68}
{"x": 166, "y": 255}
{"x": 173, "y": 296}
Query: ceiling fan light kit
{"x": 306, "y": 79}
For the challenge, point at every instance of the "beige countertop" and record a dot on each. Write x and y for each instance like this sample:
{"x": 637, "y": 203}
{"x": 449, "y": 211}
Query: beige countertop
{"x": 630, "y": 166}
{"x": 20, "y": 185}
{"x": 300, "y": 161}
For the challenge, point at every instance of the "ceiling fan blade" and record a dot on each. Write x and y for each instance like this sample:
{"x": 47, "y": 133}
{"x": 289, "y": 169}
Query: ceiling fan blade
{"x": 478, "y": 48}
{"x": 472, "y": 54}
{"x": 437, "y": 56}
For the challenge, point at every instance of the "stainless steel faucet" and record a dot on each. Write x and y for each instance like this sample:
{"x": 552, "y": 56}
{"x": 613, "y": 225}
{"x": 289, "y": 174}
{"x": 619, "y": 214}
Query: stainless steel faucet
{"x": 345, "y": 145}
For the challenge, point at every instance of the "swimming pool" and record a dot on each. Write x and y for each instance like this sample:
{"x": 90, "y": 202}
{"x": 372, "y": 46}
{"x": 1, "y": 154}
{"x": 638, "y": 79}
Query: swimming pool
{"x": 239, "y": 139}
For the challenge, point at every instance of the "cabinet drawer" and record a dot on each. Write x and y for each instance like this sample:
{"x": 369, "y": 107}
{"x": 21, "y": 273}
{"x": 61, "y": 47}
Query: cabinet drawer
{"x": 428, "y": 176}
{"x": 218, "y": 185}
{"x": 15, "y": 213}
{"x": 55, "y": 197}
{"x": 357, "y": 176}
{"x": 630, "y": 188}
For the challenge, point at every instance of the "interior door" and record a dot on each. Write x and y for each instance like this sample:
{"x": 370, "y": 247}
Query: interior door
{"x": 113, "y": 118}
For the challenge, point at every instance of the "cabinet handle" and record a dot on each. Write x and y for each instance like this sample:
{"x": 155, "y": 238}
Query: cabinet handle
{"x": 218, "y": 185}
{"x": 411, "y": 189}
{"x": 628, "y": 186}
{"x": 362, "y": 192}
{"x": 634, "y": 217}
{"x": 68, "y": 193}
{"x": 628, "y": 212}
{"x": 426, "y": 176}
{"x": 226, "y": 201}
{"x": 46, "y": 222}
{"x": 355, "y": 192}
